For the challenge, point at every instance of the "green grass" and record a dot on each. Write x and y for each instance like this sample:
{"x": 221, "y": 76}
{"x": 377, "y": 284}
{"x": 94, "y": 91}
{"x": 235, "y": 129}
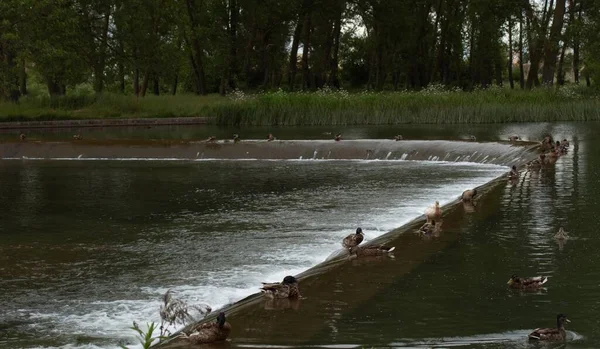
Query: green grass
{"x": 325, "y": 107}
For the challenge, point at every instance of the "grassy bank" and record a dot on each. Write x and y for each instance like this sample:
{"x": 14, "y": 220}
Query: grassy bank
{"x": 325, "y": 107}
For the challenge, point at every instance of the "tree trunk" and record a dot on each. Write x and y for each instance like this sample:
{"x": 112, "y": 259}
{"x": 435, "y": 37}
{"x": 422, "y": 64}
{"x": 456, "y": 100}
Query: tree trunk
{"x": 22, "y": 78}
{"x": 101, "y": 59}
{"x": 156, "y": 84}
{"x": 337, "y": 30}
{"x": 576, "y": 47}
{"x": 510, "y": 54}
{"x": 521, "y": 72}
{"x": 136, "y": 82}
{"x": 306, "y": 46}
{"x": 551, "y": 48}
{"x": 174, "y": 87}
{"x": 293, "y": 64}
{"x": 560, "y": 74}
{"x": 144, "y": 87}
{"x": 196, "y": 50}
{"x": 232, "y": 70}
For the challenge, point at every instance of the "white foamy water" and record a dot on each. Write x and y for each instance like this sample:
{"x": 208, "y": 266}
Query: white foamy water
{"x": 269, "y": 234}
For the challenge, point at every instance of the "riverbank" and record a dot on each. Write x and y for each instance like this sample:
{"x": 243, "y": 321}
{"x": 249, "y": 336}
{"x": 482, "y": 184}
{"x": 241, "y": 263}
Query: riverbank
{"x": 324, "y": 107}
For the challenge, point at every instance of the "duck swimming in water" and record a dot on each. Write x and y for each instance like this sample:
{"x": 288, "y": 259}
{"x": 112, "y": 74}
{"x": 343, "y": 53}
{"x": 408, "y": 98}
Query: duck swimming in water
{"x": 434, "y": 212}
{"x": 353, "y": 240}
{"x": 551, "y": 334}
{"x": 210, "y": 332}
{"x": 468, "y": 195}
{"x": 288, "y": 288}
{"x": 562, "y": 234}
{"x": 527, "y": 283}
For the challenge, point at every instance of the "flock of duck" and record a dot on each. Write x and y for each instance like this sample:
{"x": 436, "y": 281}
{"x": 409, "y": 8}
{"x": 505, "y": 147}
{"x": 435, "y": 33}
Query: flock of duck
{"x": 289, "y": 289}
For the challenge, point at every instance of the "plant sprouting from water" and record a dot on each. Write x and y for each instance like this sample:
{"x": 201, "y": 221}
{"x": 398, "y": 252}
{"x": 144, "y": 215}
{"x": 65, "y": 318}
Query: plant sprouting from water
{"x": 146, "y": 338}
{"x": 175, "y": 311}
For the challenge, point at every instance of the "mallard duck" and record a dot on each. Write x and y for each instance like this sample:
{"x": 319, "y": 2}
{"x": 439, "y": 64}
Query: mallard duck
{"x": 353, "y": 240}
{"x": 77, "y": 137}
{"x": 553, "y": 153}
{"x": 398, "y": 137}
{"x": 429, "y": 228}
{"x": 236, "y": 138}
{"x": 211, "y": 139}
{"x": 433, "y": 212}
{"x": 472, "y": 138}
{"x": 338, "y": 137}
{"x": 562, "y": 234}
{"x": 377, "y": 250}
{"x": 270, "y": 138}
{"x": 468, "y": 195}
{"x": 552, "y": 334}
{"x": 22, "y": 136}
{"x": 527, "y": 283}
{"x": 538, "y": 162}
{"x": 288, "y": 288}
{"x": 513, "y": 138}
{"x": 514, "y": 174}
{"x": 210, "y": 332}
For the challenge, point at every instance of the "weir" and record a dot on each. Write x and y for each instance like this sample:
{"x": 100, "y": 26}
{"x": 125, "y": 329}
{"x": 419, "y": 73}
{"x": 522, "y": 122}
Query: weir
{"x": 491, "y": 153}
{"x": 329, "y": 288}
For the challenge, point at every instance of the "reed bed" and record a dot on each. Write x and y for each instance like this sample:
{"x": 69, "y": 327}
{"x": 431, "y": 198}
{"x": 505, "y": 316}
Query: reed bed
{"x": 434, "y": 105}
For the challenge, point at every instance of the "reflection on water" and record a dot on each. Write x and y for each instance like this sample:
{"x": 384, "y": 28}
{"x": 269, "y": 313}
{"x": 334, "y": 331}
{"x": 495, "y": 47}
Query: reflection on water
{"x": 449, "y": 291}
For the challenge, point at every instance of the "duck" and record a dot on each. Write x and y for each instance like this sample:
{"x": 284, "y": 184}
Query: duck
{"x": 353, "y": 240}
{"x": 236, "y": 138}
{"x": 538, "y": 162}
{"x": 376, "y": 250}
{"x": 77, "y": 137}
{"x": 429, "y": 228}
{"x": 513, "y": 138}
{"x": 547, "y": 142}
{"x": 210, "y": 332}
{"x": 22, "y": 136}
{"x": 398, "y": 138}
{"x": 288, "y": 288}
{"x": 565, "y": 143}
{"x": 270, "y": 137}
{"x": 551, "y": 334}
{"x": 468, "y": 195}
{"x": 433, "y": 212}
{"x": 514, "y": 174}
{"x": 561, "y": 234}
{"x": 338, "y": 137}
{"x": 211, "y": 139}
{"x": 473, "y": 138}
{"x": 527, "y": 283}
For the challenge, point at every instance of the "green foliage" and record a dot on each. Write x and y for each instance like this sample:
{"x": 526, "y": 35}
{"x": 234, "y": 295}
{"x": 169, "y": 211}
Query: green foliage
{"x": 435, "y": 104}
{"x": 146, "y": 339}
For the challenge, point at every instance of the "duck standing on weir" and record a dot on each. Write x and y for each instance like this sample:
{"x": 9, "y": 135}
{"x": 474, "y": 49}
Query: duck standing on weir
{"x": 338, "y": 137}
{"x": 353, "y": 240}
{"x": 434, "y": 212}
{"x": 288, "y": 288}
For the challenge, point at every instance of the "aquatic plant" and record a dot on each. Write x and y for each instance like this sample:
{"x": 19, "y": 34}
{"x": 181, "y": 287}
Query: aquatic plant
{"x": 146, "y": 338}
{"x": 175, "y": 311}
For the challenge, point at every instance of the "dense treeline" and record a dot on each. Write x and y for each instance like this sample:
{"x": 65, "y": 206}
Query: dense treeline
{"x": 202, "y": 46}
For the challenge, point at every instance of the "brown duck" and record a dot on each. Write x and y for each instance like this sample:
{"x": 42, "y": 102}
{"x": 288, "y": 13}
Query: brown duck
{"x": 429, "y": 228}
{"x": 468, "y": 195}
{"x": 551, "y": 334}
{"x": 376, "y": 250}
{"x": 527, "y": 283}
{"x": 210, "y": 332}
{"x": 288, "y": 288}
{"x": 353, "y": 240}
